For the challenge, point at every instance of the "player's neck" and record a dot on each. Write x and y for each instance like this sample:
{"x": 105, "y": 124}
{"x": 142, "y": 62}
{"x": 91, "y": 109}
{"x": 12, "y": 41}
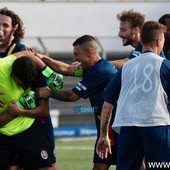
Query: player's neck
{"x": 3, "y": 48}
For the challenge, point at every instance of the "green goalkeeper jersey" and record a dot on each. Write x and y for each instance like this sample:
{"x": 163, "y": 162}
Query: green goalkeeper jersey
{"x": 12, "y": 92}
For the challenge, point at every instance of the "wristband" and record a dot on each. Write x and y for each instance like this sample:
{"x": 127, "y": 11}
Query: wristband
{"x": 78, "y": 73}
{"x": 47, "y": 71}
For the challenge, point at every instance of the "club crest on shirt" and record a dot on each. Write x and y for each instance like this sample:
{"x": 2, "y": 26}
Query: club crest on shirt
{"x": 44, "y": 154}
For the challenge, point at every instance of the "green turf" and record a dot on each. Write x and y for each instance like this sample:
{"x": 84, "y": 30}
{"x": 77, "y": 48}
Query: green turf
{"x": 75, "y": 154}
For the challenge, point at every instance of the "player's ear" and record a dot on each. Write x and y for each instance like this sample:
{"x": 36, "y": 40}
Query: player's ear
{"x": 15, "y": 27}
{"x": 136, "y": 30}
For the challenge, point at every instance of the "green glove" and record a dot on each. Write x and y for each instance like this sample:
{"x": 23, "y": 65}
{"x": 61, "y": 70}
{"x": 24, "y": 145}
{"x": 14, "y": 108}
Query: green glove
{"x": 27, "y": 101}
{"x": 54, "y": 80}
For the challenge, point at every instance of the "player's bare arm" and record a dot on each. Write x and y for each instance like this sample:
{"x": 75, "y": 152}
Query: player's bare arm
{"x": 119, "y": 63}
{"x": 103, "y": 144}
{"x": 1, "y": 101}
{"x": 39, "y": 64}
{"x": 62, "y": 95}
{"x": 5, "y": 117}
{"x": 57, "y": 66}
{"x": 65, "y": 69}
{"x": 41, "y": 110}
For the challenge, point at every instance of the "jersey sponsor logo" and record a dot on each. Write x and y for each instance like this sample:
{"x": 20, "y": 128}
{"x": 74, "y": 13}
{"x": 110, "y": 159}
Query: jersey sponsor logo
{"x": 136, "y": 53}
{"x": 80, "y": 109}
{"x": 80, "y": 87}
{"x": 44, "y": 154}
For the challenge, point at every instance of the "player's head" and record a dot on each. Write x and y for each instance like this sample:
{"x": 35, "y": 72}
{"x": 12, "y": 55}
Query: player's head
{"x": 165, "y": 20}
{"x": 11, "y": 26}
{"x": 130, "y": 25}
{"x": 24, "y": 72}
{"x": 85, "y": 50}
{"x": 152, "y": 35}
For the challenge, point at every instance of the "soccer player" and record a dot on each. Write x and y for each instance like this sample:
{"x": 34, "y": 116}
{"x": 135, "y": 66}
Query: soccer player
{"x": 21, "y": 135}
{"x": 165, "y": 20}
{"x": 97, "y": 74}
{"x": 11, "y": 33}
{"x": 130, "y": 26}
{"x": 141, "y": 91}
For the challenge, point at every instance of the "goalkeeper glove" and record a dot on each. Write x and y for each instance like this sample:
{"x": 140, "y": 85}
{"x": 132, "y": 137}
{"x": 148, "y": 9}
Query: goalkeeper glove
{"x": 54, "y": 80}
{"x": 27, "y": 101}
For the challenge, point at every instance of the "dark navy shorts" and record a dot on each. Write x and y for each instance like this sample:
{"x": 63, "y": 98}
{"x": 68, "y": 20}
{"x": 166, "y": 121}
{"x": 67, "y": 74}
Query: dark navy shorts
{"x": 49, "y": 134}
{"x": 135, "y": 143}
{"x": 30, "y": 146}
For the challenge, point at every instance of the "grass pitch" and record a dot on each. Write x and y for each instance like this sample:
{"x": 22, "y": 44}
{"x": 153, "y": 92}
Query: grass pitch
{"x": 75, "y": 154}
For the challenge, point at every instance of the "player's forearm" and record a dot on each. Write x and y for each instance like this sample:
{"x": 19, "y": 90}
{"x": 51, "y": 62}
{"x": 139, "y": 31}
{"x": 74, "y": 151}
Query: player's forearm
{"x": 41, "y": 110}
{"x": 64, "y": 95}
{"x": 105, "y": 119}
{"x": 58, "y": 66}
{"x": 119, "y": 63}
{"x": 5, "y": 117}
{"x": 39, "y": 64}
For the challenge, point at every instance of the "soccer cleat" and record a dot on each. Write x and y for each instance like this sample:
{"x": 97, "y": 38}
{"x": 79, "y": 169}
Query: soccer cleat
{"x": 27, "y": 101}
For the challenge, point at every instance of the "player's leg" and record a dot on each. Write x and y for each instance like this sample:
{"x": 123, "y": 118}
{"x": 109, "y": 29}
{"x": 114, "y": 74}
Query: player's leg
{"x": 47, "y": 128}
{"x": 98, "y": 166}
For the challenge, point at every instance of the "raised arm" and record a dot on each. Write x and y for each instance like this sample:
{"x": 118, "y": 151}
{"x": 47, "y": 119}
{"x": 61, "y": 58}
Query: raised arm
{"x": 58, "y": 66}
{"x": 38, "y": 62}
{"x": 61, "y": 67}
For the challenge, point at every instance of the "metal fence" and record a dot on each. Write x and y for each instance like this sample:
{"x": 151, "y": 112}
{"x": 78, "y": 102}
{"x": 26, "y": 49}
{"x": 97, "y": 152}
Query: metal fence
{"x": 63, "y": 45}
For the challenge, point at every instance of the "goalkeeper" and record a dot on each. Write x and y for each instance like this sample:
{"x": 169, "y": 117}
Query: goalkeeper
{"x": 13, "y": 81}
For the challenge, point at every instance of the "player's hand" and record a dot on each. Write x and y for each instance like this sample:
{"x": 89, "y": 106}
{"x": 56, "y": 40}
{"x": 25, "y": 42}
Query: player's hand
{"x": 14, "y": 108}
{"x": 103, "y": 147}
{"x": 43, "y": 92}
{"x": 76, "y": 65}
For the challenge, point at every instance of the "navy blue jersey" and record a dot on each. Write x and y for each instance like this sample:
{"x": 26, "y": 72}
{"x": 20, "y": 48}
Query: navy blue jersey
{"x": 138, "y": 51}
{"x": 167, "y": 56}
{"x": 112, "y": 91}
{"x": 13, "y": 48}
{"x": 93, "y": 84}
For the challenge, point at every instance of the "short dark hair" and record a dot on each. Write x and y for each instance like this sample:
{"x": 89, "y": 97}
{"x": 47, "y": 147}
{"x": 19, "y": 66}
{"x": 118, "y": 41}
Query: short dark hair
{"x": 20, "y": 31}
{"x": 162, "y": 18}
{"x": 25, "y": 70}
{"x": 150, "y": 31}
{"x": 83, "y": 39}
